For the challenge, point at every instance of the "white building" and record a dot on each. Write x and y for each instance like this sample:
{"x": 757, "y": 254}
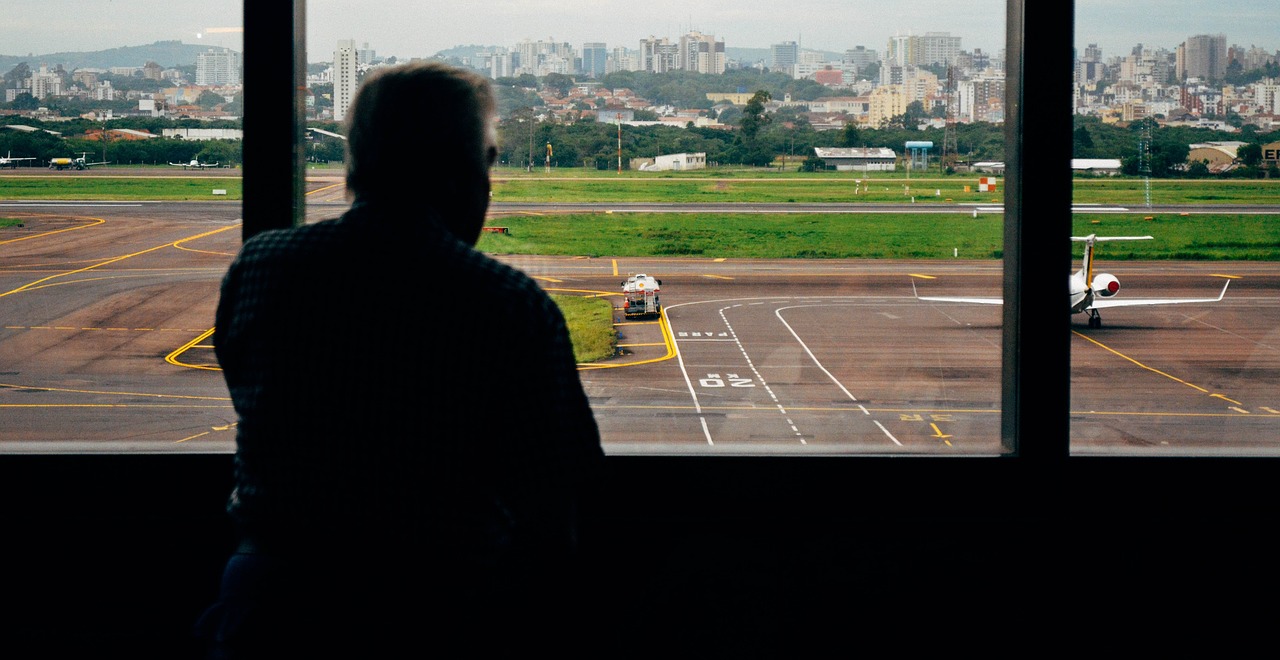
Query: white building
{"x": 702, "y": 53}
{"x": 858, "y": 159}
{"x": 623, "y": 59}
{"x": 203, "y": 133}
{"x": 346, "y": 77}
{"x": 45, "y": 83}
{"x": 214, "y": 67}
{"x": 658, "y": 55}
{"x": 542, "y": 57}
{"x": 104, "y": 91}
{"x": 669, "y": 162}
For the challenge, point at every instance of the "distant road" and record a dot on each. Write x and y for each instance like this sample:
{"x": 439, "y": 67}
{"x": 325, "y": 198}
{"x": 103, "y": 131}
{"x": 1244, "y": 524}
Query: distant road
{"x": 855, "y": 207}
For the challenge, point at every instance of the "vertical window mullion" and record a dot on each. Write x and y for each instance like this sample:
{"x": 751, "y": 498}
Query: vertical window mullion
{"x": 1037, "y": 252}
{"x": 274, "y": 77}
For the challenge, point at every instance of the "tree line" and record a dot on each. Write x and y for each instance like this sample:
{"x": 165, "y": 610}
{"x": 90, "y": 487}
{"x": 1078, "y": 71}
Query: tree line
{"x": 72, "y": 141}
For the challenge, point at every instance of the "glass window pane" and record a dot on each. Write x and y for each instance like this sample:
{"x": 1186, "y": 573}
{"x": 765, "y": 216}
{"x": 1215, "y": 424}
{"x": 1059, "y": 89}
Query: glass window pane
{"x": 1175, "y": 160}
{"x": 824, "y": 254}
{"x": 119, "y": 212}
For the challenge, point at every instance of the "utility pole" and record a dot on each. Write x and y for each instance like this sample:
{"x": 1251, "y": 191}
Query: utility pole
{"x": 104, "y": 137}
{"x": 619, "y": 119}
{"x": 528, "y": 164}
{"x": 1144, "y": 157}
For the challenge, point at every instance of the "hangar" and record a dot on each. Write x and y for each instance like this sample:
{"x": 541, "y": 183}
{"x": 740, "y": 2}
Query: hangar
{"x": 858, "y": 159}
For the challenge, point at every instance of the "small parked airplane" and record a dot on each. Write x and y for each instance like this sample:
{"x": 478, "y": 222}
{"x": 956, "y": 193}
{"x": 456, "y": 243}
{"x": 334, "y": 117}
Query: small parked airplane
{"x": 10, "y": 161}
{"x": 1089, "y": 292}
{"x": 195, "y": 164}
{"x": 73, "y": 163}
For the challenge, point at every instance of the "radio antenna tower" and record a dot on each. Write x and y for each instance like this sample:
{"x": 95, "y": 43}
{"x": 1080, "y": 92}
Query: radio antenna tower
{"x": 949, "y": 149}
{"x": 1144, "y": 157}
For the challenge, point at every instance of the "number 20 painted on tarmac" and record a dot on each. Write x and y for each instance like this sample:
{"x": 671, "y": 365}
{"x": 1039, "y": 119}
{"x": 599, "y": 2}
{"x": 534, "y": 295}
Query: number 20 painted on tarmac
{"x": 714, "y": 380}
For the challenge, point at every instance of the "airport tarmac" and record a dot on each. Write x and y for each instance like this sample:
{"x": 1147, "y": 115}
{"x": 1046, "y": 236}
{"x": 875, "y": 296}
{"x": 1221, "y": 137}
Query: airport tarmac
{"x": 107, "y": 311}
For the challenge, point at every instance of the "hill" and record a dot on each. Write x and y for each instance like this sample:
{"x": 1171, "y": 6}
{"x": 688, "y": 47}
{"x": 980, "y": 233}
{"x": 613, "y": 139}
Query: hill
{"x": 165, "y": 53}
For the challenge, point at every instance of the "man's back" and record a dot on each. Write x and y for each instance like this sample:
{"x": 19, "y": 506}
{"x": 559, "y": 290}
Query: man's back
{"x": 405, "y": 402}
{"x": 413, "y": 439}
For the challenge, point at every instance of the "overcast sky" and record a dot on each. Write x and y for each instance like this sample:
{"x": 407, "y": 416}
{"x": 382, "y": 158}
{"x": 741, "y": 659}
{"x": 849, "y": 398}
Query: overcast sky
{"x": 412, "y": 28}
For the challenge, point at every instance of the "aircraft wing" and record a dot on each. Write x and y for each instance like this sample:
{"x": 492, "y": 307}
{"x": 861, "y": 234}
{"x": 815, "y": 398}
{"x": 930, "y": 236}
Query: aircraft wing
{"x": 1105, "y": 303}
{"x": 956, "y": 299}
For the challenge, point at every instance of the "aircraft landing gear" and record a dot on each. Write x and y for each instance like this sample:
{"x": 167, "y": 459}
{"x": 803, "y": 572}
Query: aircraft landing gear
{"x": 1095, "y": 319}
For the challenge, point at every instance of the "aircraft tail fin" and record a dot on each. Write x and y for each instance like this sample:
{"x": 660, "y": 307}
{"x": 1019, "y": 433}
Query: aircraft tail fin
{"x": 1087, "y": 265}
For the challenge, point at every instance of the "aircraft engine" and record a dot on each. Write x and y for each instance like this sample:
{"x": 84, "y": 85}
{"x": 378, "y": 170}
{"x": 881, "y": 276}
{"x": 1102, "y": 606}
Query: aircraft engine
{"x": 1105, "y": 285}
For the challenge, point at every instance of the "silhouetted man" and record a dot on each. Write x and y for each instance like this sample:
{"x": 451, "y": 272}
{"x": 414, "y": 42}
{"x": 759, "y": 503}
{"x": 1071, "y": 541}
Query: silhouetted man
{"x": 413, "y": 439}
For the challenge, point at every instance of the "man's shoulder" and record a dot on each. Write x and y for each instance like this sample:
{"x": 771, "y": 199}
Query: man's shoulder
{"x": 291, "y": 236}
{"x": 502, "y": 279}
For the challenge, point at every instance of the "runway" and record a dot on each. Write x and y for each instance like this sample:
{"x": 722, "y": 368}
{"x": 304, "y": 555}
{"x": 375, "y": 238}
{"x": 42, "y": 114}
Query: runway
{"x": 107, "y": 311}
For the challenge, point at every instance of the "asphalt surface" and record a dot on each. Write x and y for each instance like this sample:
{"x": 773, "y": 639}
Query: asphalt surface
{"x": 107, "y": 309}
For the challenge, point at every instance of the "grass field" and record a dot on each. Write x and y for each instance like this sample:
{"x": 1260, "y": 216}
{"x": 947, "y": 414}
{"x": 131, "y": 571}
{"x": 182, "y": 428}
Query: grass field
{"x": 868, "y": 236}
{"x": 712, "y": 185}
{"x": 762, "y": 185}
{"x": 590, "y": 322}
{"x": 116, "y": 189}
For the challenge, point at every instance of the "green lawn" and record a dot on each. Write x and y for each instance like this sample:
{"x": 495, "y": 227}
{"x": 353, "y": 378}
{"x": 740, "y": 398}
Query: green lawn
{"x": 867, "y": 236}
{"x": 112, "y": 188}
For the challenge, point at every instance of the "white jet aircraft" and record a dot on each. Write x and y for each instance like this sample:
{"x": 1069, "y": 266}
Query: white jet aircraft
{"x": 195, "y": 164}
{"x": 1089, "y": 292}
{"x": 10, "y": 161}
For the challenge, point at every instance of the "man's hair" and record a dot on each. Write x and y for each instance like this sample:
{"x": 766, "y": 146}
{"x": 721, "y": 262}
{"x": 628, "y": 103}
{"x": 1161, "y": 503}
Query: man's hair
{"x": 414, "y": 122}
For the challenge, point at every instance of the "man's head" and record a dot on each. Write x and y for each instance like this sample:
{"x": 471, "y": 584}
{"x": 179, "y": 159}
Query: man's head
{"x": 422, "y": 134}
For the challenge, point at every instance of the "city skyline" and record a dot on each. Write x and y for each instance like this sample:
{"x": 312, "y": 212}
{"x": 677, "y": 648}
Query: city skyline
{"x": 1115, "y": 27}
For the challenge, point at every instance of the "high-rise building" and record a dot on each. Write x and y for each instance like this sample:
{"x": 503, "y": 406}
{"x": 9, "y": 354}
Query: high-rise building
{"x": 1203, "y": 56}
{"x": 46, "y": 83}
{"x": 658, "y": 55}
{"x": 859, "y": 58}
{"x": 594, "y": 58}
{"x": 541, "y": 57}
{"x": 783, "y": 57}
{"x": 702, "y": 53}
{"x": 218, "y": 67}
{"x": 930, "y": 49}
{"x": 938, "y": 48}
{"x": 622, "y": 59}
{"x": 346, "y": 77}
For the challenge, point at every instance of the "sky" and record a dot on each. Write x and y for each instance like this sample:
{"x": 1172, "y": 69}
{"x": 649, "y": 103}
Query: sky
{"x": 412, "y": 28}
